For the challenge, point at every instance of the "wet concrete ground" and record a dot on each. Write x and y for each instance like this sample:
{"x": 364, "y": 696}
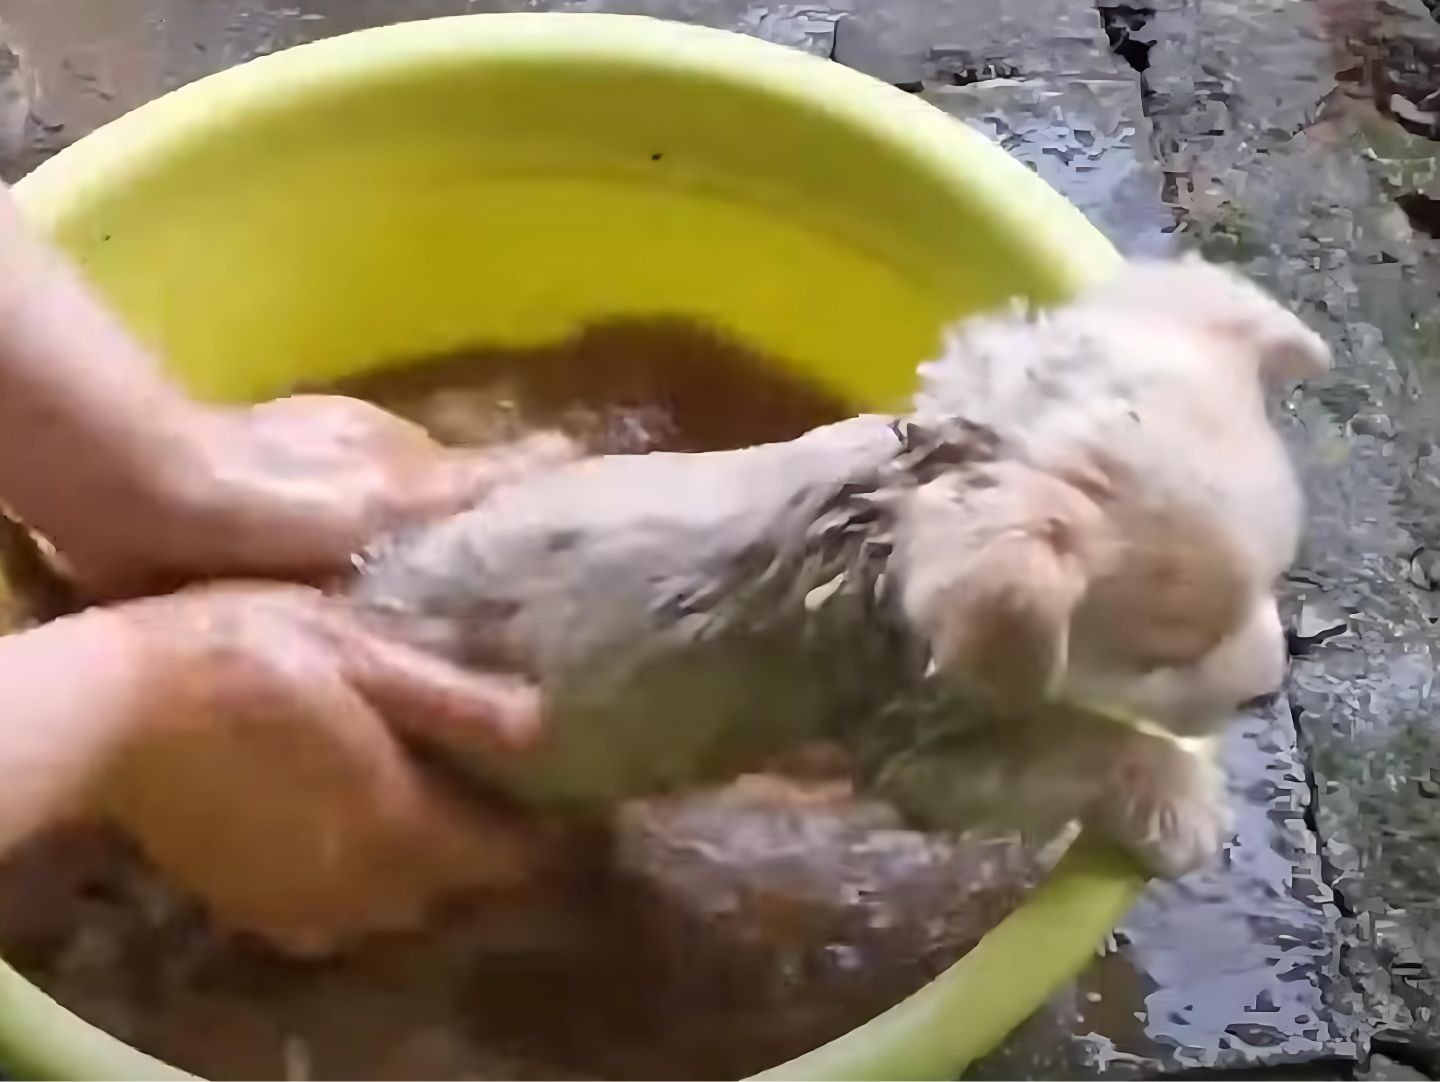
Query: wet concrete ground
{"x": 1296, "y": 137}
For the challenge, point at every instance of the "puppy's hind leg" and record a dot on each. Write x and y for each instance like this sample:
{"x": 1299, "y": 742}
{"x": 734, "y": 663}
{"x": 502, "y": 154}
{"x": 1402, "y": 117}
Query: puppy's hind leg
{"x": 1165, "y": 803}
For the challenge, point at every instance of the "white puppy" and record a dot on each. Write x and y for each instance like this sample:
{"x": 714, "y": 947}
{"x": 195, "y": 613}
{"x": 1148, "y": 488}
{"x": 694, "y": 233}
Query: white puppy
{"x": 1006, "y": 605}
{"x": 1120, "y": 555}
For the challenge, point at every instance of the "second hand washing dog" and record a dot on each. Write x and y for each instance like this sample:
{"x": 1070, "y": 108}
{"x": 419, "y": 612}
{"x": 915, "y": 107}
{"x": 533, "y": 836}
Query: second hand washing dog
{"x": 1034, "y": 598}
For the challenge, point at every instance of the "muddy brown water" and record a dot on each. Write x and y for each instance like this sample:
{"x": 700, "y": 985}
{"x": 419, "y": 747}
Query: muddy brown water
{"x": 711, "y": 935}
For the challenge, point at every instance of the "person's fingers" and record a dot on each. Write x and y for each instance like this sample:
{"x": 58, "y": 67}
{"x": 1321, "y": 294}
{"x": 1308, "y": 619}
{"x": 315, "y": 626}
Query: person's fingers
{"x": 338, "y": 421}
{"x": 412, "y": 846}
{"x": 287, "y": 799}
{"x": 452, "y": 840}
{"x": 435, "y": 480}
{"x": 415, "y": 848}
{"x": 467, "y": 843}
{"x": 425, "y": 697}
{"x": 461, "y": 478}
{"x": 440, "y": 865}
{"x": 320, "y": 917}
{"x": 345, "y": 471}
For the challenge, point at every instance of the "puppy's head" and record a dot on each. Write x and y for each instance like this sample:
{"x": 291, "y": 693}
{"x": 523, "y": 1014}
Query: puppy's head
{"x": 1121, "y": 552}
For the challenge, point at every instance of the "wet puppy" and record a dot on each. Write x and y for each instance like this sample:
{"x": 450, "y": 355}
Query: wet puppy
{"x": 1119, "y": 555}
{"x": 1029, "y": 600}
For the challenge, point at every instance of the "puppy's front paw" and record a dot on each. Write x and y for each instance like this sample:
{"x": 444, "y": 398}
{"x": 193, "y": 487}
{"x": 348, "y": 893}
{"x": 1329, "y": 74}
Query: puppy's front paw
{"x": 1166, "y": 805}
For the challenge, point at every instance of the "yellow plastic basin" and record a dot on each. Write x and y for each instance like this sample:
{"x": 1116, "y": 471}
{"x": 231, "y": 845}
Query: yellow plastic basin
{"x": 505, "y": 179}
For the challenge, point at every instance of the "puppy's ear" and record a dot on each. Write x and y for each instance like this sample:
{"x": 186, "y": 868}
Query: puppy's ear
{"x": 1220, "y": 301}
{"x": 992, "y": 567}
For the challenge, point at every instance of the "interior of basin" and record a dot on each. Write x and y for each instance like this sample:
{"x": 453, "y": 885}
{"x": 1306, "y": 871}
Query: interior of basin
{"x": 507, "y": 180}
{"x": 385, "y": 195}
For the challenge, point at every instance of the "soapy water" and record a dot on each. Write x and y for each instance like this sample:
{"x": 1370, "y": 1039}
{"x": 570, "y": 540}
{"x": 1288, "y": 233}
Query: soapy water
{"x": 708, "y": 934}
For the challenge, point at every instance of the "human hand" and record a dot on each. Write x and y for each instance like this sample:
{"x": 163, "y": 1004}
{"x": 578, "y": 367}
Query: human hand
{"x": 289, "y": 489}
{"x": 266, "y": 773}
{"x": 141, "y": 489}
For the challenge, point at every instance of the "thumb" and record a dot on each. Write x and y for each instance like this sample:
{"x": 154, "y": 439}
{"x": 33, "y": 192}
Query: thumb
{"x": 464, "y": 477}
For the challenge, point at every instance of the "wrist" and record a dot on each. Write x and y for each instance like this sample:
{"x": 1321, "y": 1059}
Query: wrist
{"x": 124, "y": 667}
{"x": 90, "y": 690}
{"x": 168, "y": 673}
{"x": 182, "y": 482}
{"x": 98, "y": 450}
{"x": 117, "y": 521}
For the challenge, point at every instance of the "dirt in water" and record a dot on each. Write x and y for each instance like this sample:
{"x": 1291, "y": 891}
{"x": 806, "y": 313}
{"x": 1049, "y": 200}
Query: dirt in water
{"x": 713, "y": 934}
{"x": 622, "y": 387}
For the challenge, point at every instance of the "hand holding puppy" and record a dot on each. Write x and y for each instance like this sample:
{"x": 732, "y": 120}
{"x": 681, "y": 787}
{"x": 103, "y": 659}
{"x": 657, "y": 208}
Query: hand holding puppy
{"x": 289, "y": 489}
{"x": 143, "y": 489}
{"x": 251, "y": 739}
{"x": 267, "y": 769}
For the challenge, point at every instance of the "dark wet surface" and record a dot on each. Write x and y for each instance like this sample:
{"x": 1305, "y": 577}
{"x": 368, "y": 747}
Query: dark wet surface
{"x": 1292, "y": 136}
